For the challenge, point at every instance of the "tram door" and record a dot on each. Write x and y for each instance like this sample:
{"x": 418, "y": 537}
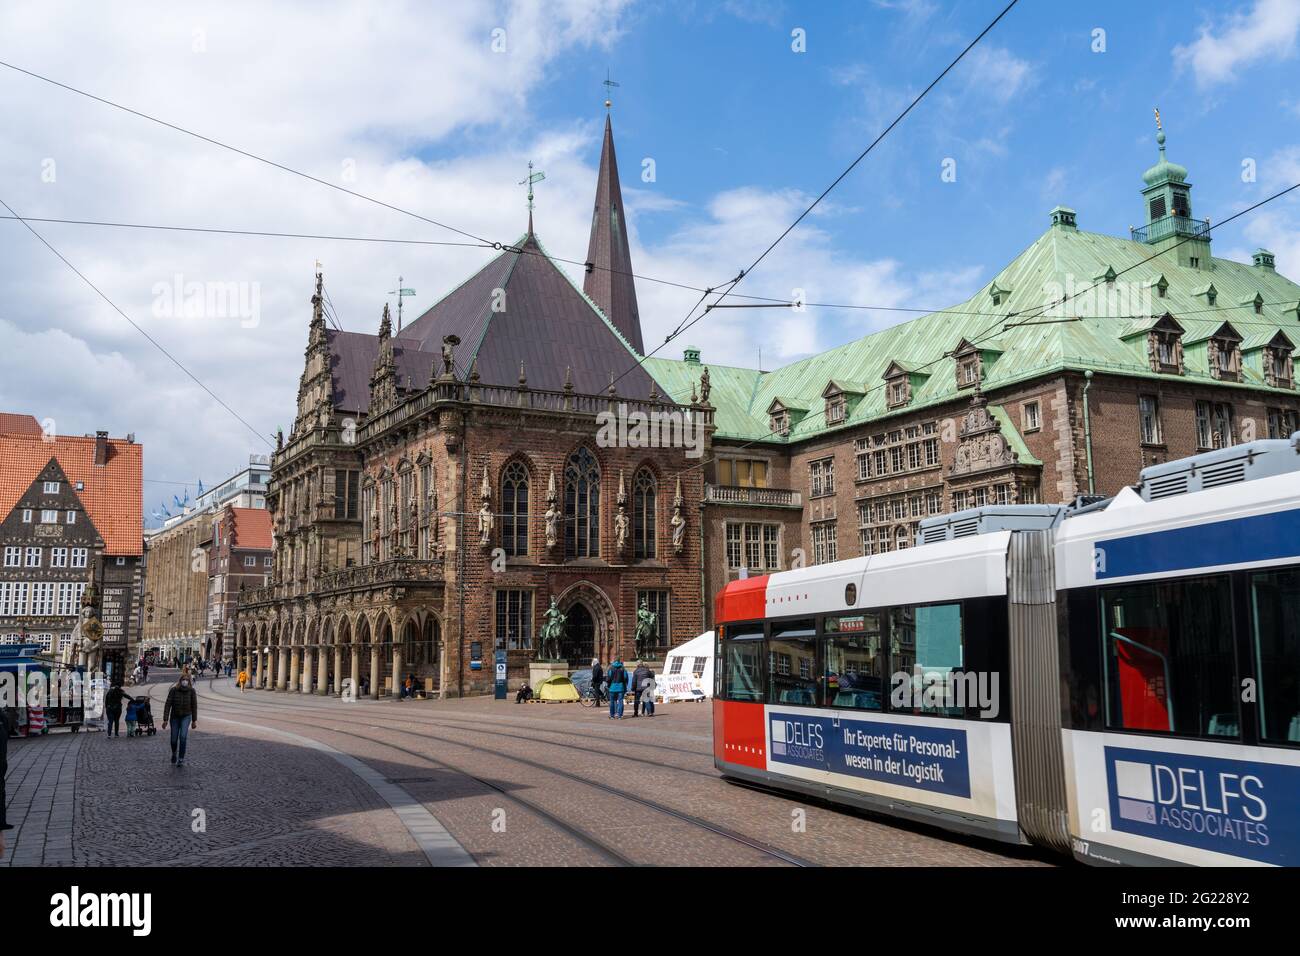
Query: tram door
{"x": 579, "y": 644}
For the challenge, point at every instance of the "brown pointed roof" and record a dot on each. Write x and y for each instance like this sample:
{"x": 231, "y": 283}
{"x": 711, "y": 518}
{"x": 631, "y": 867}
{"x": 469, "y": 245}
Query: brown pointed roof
{"x": 609, "y": 284}
{"x": 546, "y": 323}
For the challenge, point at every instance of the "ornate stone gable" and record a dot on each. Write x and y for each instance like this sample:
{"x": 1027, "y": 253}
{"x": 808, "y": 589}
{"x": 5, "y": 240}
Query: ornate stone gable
{"x": 981, "y": 444}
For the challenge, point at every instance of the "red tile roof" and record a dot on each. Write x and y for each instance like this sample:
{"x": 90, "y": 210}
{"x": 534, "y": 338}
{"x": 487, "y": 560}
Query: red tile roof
{"x": 112, "y": 493}
{"x": 252, "y": 528}
{"x": 11, "y": 424}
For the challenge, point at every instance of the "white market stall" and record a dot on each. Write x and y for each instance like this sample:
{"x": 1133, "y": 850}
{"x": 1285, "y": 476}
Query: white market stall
{"x": 688, "y": 671}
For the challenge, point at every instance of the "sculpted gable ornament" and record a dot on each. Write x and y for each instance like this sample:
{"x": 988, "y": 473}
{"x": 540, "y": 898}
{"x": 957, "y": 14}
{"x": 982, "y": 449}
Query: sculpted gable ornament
{"x": 982, "y": 446}
{"x": 621, "y": 522}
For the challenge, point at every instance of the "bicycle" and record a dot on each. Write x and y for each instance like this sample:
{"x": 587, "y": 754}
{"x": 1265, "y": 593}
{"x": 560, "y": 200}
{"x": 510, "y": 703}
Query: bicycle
{"x": 590, "y": 698}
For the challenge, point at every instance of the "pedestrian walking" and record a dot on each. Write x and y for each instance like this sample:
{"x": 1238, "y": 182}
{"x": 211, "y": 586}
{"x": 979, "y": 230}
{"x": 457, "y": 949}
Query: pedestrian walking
{"x": 408, "y": 686}
{"x": 617, "y": 685}
{"x": 639, "y": 676}
{"x": 597, "y": 680}
{"x": 182, "y": 711}
{"x": 242, "y": 681}
{"x": 230, "y": 667}
{"x": 5, "y": 728}
{"x": 113, "y": 710}
{"x": 648, "y": 688}
{"x": 145, "y": 668}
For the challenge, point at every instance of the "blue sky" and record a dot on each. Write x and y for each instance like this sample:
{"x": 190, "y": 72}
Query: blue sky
{"x": 410, "y": 103}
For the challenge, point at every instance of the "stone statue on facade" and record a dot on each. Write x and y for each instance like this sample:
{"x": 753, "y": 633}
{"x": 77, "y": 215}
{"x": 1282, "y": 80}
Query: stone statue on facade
{"x": 374, "y": 532}
{"x": 548, "y": 639}
{"x": 647, "y": 629}
{"x": 552, "y": 515}
{"x": 621, "y": 522}
{"x": 486, "y": 520}
{"x": 678, "y": 521}
{"x": 435, "y": 523}
{"x": 393, "y": 531}
{"x": 704, "y": 385}
{"x": 413, "y": 510}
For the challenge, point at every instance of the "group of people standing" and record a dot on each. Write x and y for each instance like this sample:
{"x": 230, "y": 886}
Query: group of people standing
{"x": 641, "y": 685}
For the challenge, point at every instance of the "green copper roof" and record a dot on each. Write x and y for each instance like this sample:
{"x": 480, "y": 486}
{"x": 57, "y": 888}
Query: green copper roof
{"x": 1060, "y": 262}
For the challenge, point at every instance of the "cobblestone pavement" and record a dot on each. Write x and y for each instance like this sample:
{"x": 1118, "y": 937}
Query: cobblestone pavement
{"x": 245, "y": 797}
{"x": 277, "y": 778}
{"x": 562, "y": 785}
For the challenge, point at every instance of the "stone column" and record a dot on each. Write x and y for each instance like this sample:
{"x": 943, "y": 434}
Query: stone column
{"x": 295, "y": 668}
{"x": 322, "y": 673}
{"x": 338, "y": 670}
{"x": 376, "y": 676}
{"x": 282, "y": 669}
{"x": 356, "y": 670}
{"x": 308, "y": 659}
{"x": 397, "y": 671}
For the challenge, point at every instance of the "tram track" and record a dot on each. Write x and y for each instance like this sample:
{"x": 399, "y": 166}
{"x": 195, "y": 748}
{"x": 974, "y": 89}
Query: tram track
{"x": 581, "y": 836}
{"x": 462, "y": 725}
{"x": 322, "y": 715}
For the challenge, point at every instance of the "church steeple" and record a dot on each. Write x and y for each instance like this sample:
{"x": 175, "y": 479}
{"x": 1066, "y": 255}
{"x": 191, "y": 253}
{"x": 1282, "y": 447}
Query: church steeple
{"x": 609, "y": 281}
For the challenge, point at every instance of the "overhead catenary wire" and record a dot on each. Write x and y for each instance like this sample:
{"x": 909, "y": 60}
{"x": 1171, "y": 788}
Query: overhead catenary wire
{"x": 154, "y": 342}
{"x": 688, "y": 322}
{"x": 988, "y": 332}
{"x": 480, "y": 242}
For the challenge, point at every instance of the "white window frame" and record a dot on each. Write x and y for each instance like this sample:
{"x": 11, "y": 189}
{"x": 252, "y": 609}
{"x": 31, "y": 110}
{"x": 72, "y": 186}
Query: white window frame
{"x": 51, "y": 487}
{"x": 32, "y": 557}
{"x": 13, "y": 556}
{"x": 58, "y": 557}
{"x": 79, "y": 557}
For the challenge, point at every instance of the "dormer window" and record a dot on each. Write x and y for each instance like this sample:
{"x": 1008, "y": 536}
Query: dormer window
{"x": 1279, "y": 366}
{"x": 780, "y": 422}
{"x": 835, "y": 410}
{"x": 782, "y": 415}
{"x": 899, "y": 393}
{"x": 1259, "y": 304}
{"x": 1165, "y": 347}
{"x": 998, "y": 294}
{"x": 968, "y": 372}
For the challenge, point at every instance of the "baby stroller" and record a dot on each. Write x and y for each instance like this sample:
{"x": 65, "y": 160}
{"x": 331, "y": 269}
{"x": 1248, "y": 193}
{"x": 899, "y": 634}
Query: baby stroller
{"x": 144, "y": 718}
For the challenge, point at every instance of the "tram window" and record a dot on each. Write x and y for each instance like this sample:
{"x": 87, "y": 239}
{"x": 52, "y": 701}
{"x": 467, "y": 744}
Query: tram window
{"x": 792, "y": 663}
{"x": 1169, "y": 657}
{"x": 1275, "y": 614}
{"x": 854, "y": 663}
{"x": 742, "y": 663}
{"x": 926, "y": 651}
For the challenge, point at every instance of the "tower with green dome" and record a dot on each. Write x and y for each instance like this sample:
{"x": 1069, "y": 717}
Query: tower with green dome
{"x": 1167, "y": 196}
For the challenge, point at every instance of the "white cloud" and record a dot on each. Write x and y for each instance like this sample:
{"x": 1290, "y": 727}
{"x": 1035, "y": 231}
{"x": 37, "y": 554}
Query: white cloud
{"x": 998, "y": 73}
{"x": 1268, "y": 30}
{"x": 310, "y": 85}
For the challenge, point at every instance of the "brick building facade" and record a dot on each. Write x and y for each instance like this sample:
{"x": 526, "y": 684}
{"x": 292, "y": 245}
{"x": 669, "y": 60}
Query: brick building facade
{"x": 444, "y": 483}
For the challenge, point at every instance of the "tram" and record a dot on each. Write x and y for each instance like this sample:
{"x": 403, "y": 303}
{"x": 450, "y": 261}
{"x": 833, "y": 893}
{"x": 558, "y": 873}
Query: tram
{"x": 1116, "y": 679}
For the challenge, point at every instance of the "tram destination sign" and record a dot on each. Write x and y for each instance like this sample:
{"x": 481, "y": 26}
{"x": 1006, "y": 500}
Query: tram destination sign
{"x": 907, "y": 755}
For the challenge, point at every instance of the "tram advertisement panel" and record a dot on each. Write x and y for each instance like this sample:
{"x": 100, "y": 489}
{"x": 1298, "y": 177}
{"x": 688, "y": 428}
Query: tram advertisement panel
{"x": 1244, "y": 809}
{"x": 907, "y": 755}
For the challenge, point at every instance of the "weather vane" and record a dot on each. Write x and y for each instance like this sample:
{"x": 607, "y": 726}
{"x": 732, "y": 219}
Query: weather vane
{"x": 609, "y": 88}
{"x": 401, "y": 293}
{"x": 531, "y": 178}
{"x": 1158, "y": 126}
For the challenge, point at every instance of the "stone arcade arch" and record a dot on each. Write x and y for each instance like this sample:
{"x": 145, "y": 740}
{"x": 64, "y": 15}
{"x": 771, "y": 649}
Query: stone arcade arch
{"x": 604, "y": 621}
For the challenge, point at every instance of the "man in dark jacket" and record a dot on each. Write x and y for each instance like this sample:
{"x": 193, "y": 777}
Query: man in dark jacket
{"x": 182, "y": 711}
{"x": 113, "y": 709}
{"x": 642, "y": 673}
{"x": 597, "y": 679}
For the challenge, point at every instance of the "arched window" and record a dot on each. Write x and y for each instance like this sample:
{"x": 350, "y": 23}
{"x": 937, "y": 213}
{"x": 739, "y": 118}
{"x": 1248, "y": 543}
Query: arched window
{"x": 643, "y": 515}
{"x": 582, "y": 506}
{"x": 514, "y": 509}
